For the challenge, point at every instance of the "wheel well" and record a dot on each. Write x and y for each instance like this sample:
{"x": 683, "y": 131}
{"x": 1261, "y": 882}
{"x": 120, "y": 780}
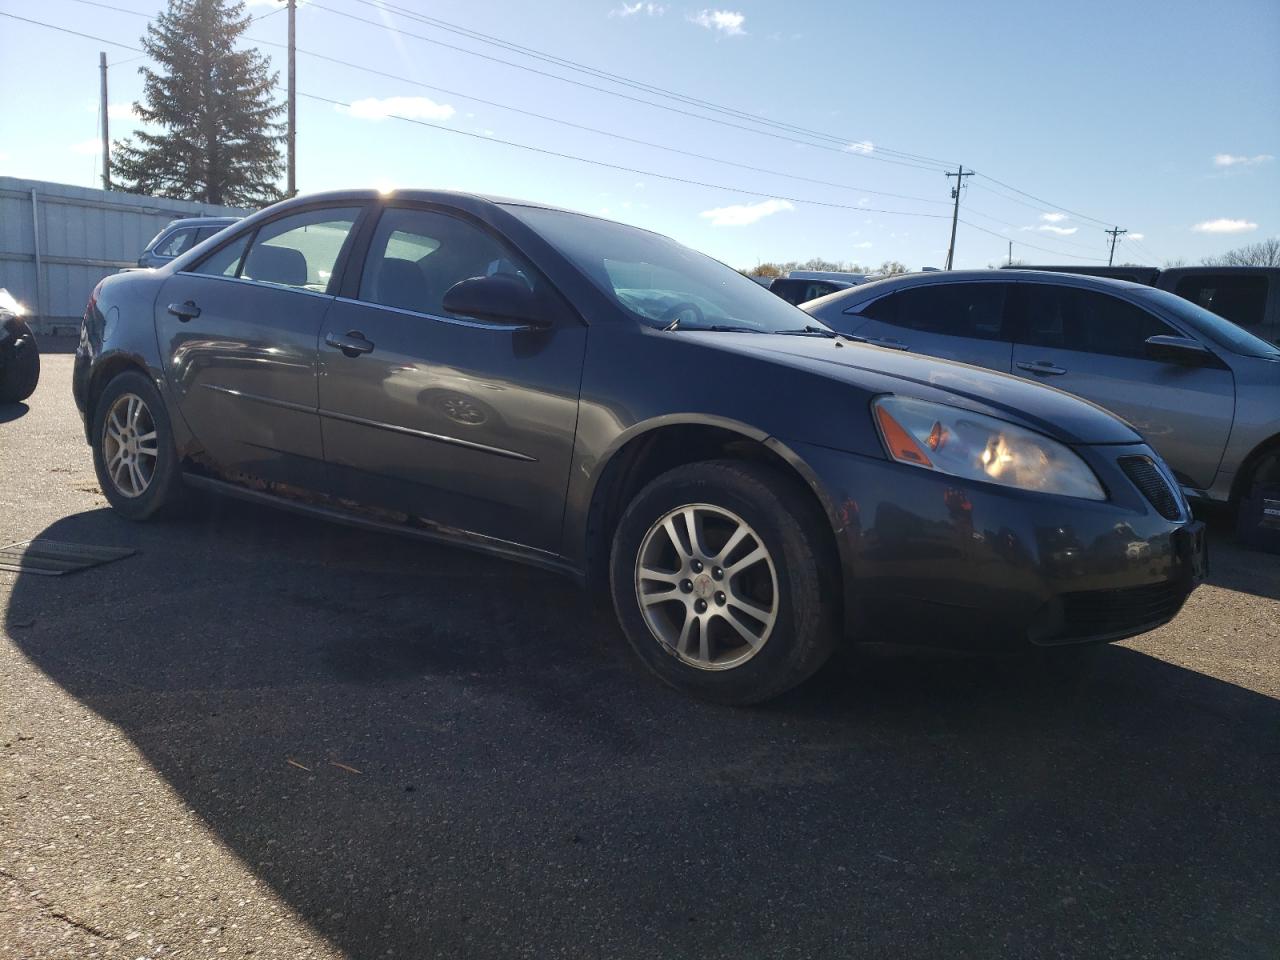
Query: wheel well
{"x": 654, "y": 453}
{"x": 1262, "y": 464}
{"x": 107, "y": 371}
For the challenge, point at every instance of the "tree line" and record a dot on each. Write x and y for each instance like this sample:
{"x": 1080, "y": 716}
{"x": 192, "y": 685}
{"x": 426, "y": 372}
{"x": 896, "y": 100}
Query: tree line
{"x": 888, "y": 268}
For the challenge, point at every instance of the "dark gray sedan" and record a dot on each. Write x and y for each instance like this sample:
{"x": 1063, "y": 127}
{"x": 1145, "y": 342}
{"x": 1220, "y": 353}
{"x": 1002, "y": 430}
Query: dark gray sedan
{"x": 598, "y": 399}
{"x": 1202, "y": 390}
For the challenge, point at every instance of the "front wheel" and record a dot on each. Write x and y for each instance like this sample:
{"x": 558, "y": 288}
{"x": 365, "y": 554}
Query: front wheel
{"x": 722, "y": 582}
{"x": 133, "y": 448}
{"x": 22, "y": 372}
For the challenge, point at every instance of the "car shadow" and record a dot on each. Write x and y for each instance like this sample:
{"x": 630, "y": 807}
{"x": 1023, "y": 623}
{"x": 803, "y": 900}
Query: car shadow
{"x": 1233, "y": 566}
{"x": 12, "y": 411}
{"x": 524, "y": 789}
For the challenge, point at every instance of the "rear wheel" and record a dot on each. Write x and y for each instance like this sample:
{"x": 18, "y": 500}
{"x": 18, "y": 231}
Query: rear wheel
{"x": 22, "y": 372}
{"x": 1257, "y": 520}
{"x": 719, "y": 583}
{"x": 133, "y": 449}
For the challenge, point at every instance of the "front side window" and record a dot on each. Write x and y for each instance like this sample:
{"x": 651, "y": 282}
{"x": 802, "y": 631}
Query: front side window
{"x": 974, "y": 310}
{"x": 225, "y": 261}
{"x": 1241, "y": 299}
{"x": 299, "y": 250}
{"x": 178, "y": 242}
{"x": 1068, "y": 318}
{"x": 659, "y": 282}
{"x": 417, "y": 255}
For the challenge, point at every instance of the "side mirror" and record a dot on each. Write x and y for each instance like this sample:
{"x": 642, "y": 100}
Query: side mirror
{"x": 500, "y": 298}
{"x": 1180, "y": 350}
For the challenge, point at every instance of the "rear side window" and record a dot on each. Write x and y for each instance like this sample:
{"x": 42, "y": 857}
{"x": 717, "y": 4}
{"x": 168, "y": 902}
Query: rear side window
{"x": 417, "y": 255}
{"x": 1067, "y": 318}
{"x": 1241, "y": 299}
{"x": 178, "y": 242}
{"x": 974, "y": 310}
{"x": 299, "y": 250}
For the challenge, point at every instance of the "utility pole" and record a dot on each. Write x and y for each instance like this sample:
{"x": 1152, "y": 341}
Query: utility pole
{"x": 102, "y": 105}
{"x": 292, "y": 145}
{"x": 955, "y": 213}
{"x": 1010, "y": 263}
{"x": 1115, "y": 235}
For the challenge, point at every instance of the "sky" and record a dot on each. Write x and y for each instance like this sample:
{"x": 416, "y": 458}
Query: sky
{"x": 1163, "y": 119}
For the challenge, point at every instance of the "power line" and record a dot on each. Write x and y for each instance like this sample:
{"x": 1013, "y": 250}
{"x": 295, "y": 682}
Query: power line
{"x": 1033, "y": 246}
{"x": 384, "y": 6}
{"x": 1051, "y": 206}
{"x": 616, "y": 93}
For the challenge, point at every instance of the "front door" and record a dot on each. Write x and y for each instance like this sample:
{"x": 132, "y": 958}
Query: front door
{"x": 954, "y": 321}
{"x": 463, "y": 424}
{"x": 1092, "y": 344}
{"x": 238, "y": 335}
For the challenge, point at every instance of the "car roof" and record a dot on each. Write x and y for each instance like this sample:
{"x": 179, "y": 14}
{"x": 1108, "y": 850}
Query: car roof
{"x": 961, "y": 276}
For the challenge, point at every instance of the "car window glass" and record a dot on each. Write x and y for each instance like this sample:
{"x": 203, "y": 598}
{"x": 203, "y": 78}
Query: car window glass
{"x": 417, "y": 255}
{"x": 180, "y": 241}
{"x": 204, "y": 233}
{"x": 299, "y": 250}
{"x": 1241, "y": 299}
{"x": 225, "y": 261}
{"x": 1067, "y": 318}
{"x": 974, "y": 310}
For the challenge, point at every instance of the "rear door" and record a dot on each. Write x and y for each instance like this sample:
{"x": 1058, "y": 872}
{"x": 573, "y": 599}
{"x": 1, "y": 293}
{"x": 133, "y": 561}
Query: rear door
{"x": 1092, "y": 344}
{"x": 238, "y": 336}
{"x": 464, "y": 424}
{"x": 955, "y": 321}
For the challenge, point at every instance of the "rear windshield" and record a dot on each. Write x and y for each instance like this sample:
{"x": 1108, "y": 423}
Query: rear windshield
{"x": 1220, "y": 331}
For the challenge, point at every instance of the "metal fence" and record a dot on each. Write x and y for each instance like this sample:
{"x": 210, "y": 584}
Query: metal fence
{"x": 57, "y": 241}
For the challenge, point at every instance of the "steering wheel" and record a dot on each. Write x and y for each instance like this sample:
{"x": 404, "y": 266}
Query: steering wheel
{"x": 675, "y": 312}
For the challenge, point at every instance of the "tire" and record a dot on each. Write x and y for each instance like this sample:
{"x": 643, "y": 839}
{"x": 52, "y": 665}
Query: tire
{"x": 163, "y": 491}
{"x": 22, "y": 372}
{"x": 1255, "y": 528}
{"x": 792, "y": 589}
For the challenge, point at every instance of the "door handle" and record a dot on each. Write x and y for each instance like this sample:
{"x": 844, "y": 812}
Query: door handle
{"x": 352, "y": 344}
{"x": 184, "y": 311}
{"x": 1042, "y": 367}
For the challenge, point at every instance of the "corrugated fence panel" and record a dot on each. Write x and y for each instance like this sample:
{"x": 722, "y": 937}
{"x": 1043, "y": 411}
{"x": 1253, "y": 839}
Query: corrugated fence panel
{"x": 85, "y": 235}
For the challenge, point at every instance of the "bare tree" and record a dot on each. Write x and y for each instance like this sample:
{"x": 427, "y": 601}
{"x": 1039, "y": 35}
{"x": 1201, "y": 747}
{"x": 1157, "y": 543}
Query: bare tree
{"x": 1175, "y": 263}
{"x": 1264, "y": 253}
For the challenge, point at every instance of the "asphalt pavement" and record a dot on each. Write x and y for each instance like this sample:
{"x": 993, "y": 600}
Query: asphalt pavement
{"x": 264, "y": 735}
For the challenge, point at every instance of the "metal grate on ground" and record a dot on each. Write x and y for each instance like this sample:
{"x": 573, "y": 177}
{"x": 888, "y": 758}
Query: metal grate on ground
{"x": 52, "y": 558}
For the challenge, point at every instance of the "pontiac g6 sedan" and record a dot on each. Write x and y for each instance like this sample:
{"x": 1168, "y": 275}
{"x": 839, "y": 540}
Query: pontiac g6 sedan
{"x": 600, "y": 400}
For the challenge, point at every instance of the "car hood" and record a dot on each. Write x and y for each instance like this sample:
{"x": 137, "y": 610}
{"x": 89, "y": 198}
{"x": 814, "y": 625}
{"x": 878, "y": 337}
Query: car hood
{"x": 1060, "y": 415}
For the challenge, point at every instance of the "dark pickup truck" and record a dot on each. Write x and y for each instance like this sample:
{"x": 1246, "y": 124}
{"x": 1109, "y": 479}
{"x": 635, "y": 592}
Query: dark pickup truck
{"x": 1247, "y": 296}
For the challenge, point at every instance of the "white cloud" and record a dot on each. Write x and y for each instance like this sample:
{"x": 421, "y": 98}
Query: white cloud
{"x": 862, "y": 147}
{"x": 122, "y": 111}
{"x": 1231, "y": 160}
{"x": 864, "y": 245}
{"x": 1225, "y": 225}
{"x": 631, "y": 9}
{"x": 412, "y": 108}
{"x": 728, "y": 22}
{"x": 1136, "y": 236}
{"x": 1053, "y": 217}
{"x": 741, "y": 214}
{"x": 1057, "y": 231}
{"x": 88, "y": 147}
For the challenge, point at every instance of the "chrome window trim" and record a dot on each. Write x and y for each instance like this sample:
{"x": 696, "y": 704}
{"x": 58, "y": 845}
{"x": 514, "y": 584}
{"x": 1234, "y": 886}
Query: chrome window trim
{"x": 259, "y": 284}
{"x": 457, "y": 321}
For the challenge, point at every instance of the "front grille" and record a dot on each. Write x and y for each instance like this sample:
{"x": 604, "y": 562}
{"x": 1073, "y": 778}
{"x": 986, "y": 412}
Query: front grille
{"x": 1102, "y": 613}
{"x": 1147, "y": 477}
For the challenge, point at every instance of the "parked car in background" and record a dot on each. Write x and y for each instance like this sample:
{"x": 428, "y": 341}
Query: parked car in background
{"x": 19, "y": 353}
{"x": 797, "y": 290}
{"x": 179, "y": 236}
{"x": 1247, "y": 296}
{"x": 1203, "y": 391}
{"x": 751, "y": 486}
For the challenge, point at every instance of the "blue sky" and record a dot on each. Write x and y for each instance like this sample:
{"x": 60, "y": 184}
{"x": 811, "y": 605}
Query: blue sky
{"x": 1164, "y": 119}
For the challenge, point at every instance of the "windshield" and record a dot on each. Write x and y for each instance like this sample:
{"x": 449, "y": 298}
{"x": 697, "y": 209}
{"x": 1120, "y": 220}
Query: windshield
{"x": 1217, "y": 329}
{"x": 660, "y": 282}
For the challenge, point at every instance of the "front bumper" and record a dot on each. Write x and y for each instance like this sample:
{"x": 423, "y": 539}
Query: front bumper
{"x": 937, "y": 560}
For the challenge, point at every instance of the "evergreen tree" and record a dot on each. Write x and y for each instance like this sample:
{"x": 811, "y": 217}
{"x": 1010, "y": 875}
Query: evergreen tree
{"x": 221, "y": 140}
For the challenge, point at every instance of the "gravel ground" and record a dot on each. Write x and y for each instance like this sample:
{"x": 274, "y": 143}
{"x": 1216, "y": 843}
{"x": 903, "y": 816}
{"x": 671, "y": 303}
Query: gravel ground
{"x": 268, "y": 736}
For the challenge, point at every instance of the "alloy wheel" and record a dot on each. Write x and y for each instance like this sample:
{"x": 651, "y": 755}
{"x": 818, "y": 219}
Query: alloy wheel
{"x": 707, "y": 586}
{"x": 129, "y": 445}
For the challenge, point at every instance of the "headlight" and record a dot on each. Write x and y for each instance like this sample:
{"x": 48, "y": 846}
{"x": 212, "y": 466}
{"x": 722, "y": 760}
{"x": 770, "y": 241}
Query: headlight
{"x": 954, "y": 441}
